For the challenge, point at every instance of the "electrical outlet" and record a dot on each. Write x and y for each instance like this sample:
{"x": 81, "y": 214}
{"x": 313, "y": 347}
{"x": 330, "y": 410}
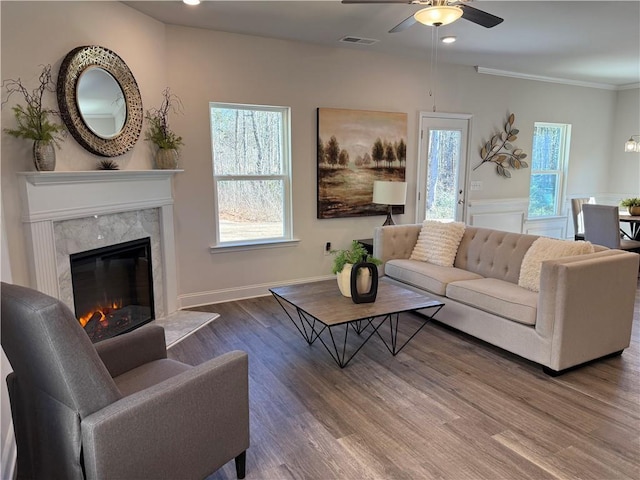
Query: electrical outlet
{"x": 327, "y": 248}
{"x": 476, "y": 185}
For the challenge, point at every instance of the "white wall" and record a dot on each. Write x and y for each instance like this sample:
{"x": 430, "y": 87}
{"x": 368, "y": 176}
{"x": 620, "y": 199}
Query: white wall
{"x": 624, "y": 167}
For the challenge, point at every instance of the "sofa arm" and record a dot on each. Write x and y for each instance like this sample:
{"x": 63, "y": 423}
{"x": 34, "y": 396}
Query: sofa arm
{"x": 130, "y": 350}
{"x": 185, "y": 427}
{"x": 586, "y": 306}
{"x": 394, "y": 242}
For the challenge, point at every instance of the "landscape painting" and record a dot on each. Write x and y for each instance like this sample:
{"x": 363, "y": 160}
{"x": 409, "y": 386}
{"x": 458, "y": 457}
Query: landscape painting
{"x": 356, "y": 148}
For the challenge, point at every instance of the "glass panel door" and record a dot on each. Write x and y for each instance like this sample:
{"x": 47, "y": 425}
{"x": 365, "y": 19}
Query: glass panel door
{"x": 442, "y": 167}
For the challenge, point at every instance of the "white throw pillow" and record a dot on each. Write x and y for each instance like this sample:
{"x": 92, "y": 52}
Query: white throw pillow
{"x": 547, "y": 249}
{"x": 438, "y": 242}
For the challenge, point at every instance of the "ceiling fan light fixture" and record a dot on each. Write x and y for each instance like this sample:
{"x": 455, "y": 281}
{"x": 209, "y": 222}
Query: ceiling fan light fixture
{"x": 438, "y": 15}
{"x": 191, "y": 2}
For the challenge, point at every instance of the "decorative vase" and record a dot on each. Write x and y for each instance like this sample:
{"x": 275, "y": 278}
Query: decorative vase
{"x": 344, "y": 280}
{"x": 44, "y": 156}
{"x": 368, "y": 295}
{"x": 167, "y": 158}
{"x": 635, "y": 211}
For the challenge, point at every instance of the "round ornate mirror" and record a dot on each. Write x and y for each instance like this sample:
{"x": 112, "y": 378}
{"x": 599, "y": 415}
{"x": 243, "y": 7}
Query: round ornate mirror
{"x": 99, "y": 101}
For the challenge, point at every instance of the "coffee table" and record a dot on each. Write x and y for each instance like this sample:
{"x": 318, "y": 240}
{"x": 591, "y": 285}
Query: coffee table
{"x": 320, "y": 309}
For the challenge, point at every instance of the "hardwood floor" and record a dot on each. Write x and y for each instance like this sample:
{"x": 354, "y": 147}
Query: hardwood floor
{"x": 447, "y": 407}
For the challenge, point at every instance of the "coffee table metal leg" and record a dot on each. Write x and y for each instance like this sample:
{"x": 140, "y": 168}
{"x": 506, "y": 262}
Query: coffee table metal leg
{"x": 393, "y": 330}
{"x": 306, "y": 326}
{"x": 339, "y": 354}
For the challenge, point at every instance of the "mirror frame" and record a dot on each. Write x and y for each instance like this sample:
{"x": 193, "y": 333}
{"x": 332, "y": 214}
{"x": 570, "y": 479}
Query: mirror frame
{"x": 72, "y": 67}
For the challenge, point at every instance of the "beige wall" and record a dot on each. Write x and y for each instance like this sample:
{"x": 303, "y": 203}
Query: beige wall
{"x": 38, "y": 33}
{"x": 215, "y": 66}
{"x": 202, "y": 66}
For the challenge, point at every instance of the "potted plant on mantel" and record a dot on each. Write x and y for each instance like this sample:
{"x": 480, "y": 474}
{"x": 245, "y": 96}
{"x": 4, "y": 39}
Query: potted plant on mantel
{"x": 33, "y": 121}
{"x": 161, "y": 135}
{"x": 632, "y": 204}
{"x": 344, "y": 261}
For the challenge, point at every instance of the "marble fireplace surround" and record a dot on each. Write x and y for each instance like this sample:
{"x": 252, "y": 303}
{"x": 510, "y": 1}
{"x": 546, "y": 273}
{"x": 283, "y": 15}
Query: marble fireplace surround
{"x": 70, "y": 212}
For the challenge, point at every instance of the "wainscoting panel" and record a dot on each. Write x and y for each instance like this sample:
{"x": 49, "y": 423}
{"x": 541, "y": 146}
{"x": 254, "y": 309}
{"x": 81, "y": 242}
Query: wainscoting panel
{"x": 555, "y": 227}
{"x": 501, "y": 214}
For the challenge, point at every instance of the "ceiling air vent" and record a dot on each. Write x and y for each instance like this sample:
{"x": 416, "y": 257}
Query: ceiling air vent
{"x": 358, "y": 40}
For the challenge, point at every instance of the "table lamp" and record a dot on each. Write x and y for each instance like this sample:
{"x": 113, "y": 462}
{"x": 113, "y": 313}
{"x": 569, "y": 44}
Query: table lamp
{"x": 389, "y": 193}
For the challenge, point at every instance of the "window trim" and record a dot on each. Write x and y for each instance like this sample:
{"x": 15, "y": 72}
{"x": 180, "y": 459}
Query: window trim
{"x": 284, "y": 176}
{"x": 562, "y": 172}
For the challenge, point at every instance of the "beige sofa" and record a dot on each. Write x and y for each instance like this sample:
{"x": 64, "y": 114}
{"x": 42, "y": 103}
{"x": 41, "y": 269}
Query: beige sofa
{"x": 583, "y": 310}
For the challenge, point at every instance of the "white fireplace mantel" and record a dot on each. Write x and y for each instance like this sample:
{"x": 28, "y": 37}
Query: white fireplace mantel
{"x": 49, "y": 197}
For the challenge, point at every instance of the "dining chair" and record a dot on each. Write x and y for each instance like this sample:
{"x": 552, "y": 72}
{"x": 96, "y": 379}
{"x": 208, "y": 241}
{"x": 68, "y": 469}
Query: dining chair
{"x": 578, "y": 221}
{"x": 602, "y": 227}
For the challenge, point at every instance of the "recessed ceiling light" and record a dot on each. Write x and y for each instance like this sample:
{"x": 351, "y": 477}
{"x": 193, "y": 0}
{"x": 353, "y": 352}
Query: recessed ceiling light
{"x": 448, "y": 39}
{"x": 191, "y": 2}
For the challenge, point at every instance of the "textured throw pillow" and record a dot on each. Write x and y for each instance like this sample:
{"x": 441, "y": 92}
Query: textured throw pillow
{"x": 547, "y": 249}
{"x": 438, "y": 242}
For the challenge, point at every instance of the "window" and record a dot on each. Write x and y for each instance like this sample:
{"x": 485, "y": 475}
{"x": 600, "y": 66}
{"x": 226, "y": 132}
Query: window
{"x": 549, "y": 161}
{"x": 251, "y": 173}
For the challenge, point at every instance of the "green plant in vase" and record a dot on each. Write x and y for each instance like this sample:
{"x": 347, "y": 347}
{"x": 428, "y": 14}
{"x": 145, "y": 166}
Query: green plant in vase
{"x": 33, "y": 119}
{"x": 344, "y": 261}
{"x": 632, "y": 205}
{"x": 160, "y": 134}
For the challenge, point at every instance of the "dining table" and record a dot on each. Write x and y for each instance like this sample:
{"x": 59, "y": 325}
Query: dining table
{"x": 634, "y": 221}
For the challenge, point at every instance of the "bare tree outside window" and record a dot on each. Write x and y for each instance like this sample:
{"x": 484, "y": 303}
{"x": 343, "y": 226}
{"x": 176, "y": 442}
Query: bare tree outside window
{"x": 549, "y": 160}
{"x": 250, "y": 146}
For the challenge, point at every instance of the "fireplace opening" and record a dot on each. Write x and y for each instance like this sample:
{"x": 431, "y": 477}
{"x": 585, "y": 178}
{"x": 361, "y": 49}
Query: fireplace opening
{"x": 113, "y": 288}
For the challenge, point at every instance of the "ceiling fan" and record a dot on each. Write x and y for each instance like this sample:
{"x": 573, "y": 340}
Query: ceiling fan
{"x": 439, "y": 12}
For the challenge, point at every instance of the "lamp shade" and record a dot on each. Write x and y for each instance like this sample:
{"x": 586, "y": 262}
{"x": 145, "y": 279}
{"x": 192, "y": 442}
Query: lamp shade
{"x": 438, "y": 15}
{"x": 389, "y": 193}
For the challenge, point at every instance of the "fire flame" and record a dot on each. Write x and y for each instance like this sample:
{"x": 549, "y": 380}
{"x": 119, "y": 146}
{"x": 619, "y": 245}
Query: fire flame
{"x": 102, "y": 310}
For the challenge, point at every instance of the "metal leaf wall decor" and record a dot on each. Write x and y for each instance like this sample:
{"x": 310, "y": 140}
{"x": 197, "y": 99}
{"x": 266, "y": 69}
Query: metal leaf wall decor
{"x": 501, "y": 151}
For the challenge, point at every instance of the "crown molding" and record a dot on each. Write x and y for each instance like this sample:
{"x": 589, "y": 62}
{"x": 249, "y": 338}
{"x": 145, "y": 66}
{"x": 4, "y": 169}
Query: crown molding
{"x": 564, "y": 81}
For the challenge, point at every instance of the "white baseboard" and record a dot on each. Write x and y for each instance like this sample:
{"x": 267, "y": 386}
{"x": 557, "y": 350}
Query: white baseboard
{"x": 9, "y": 456}
{"x": 239, "y": 293}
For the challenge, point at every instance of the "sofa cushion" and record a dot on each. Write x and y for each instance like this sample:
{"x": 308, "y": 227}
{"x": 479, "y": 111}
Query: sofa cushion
{"x": 430, "y": 277}
{"x": 492, "y": 253}
{"x": 438, "y": 242}
{"x": 498, "y": 297}
{"x": 547, "y": 249}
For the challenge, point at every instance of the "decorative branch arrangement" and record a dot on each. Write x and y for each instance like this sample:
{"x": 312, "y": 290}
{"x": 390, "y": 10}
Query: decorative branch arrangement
{"x": 33, "y": 120}
{"x": 159, "y": 132}
{"x": 501, "y": 151}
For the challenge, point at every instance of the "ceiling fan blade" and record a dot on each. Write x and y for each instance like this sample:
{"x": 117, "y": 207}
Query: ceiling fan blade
{"x": 403, "y": 25}
{"x": 478, "y": 16}
{"x": 376, "y": 1}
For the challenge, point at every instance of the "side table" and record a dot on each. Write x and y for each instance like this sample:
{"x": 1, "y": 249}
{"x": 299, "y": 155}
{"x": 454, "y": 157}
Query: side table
{"x": 367, "y": 243}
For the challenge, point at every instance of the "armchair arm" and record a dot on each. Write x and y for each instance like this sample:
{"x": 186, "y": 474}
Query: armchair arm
{"x": 184, "y": 427}
{"x": 394, "y": 241}
{"x": 586, "y": 306}
{"x": 126, "y": 352}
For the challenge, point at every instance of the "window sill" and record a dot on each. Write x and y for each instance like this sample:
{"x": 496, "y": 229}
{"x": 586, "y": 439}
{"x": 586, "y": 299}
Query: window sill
{"x": 241, "y": 247}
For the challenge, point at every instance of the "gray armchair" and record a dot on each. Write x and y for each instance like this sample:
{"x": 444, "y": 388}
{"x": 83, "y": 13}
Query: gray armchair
{"x": 120, "y": 409}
